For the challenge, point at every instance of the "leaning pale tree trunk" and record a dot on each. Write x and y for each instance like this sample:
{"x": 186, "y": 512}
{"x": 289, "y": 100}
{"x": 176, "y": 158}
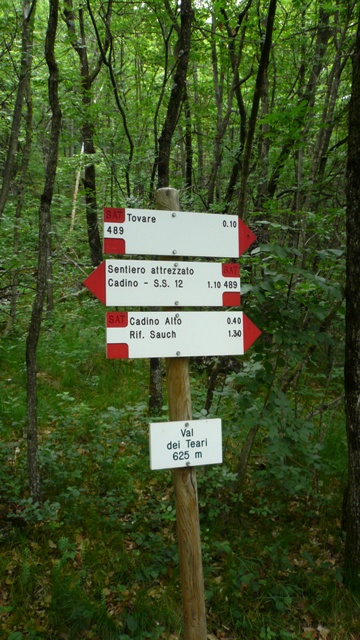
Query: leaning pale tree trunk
{"x": 352, "y": 345}
{"x": 43, "y": 256}
{"x": 25, "y": 70}
{"x": 88, "y": 76}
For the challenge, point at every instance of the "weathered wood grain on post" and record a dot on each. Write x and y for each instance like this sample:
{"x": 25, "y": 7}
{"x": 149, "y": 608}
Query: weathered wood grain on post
{"x": 185, "y": 485}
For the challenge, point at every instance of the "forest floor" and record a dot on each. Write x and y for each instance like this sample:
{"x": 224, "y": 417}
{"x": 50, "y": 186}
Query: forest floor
{"x": 98, "y": 559}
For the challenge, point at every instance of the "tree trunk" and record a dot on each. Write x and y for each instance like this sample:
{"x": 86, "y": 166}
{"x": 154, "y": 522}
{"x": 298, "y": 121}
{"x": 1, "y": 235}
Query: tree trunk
{"x": 25, "y": 70}
{"x": 188, "y": 144}
{"x": 108, "y": 61}
{"x": 352, "y": 345}
{"x": 19, "y": 206}
{"x": 235, "y": 53}
{"x": 177, "y": 94}
{"x": 87, "y": 78}
{"x": 260, "y": 79}
{"x": 218, "y": 80}
{"x": 199, "y": 131}
{"x": 89, "y": 182}
{"x": 155, "y": 387}
{"x": 308, "y": 94}
{"x": 43, "y": 257}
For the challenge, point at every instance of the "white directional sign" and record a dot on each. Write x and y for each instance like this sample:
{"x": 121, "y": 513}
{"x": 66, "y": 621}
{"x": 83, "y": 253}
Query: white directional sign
{"x": 185, "y": 443}
{"x": 174, "y": 233}
{"x": 142, "y": 334}
{"x": 134, "y": 283}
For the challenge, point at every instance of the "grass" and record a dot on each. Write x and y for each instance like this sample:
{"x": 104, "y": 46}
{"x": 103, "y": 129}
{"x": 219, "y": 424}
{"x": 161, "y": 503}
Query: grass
{"x": 98, "y": 560}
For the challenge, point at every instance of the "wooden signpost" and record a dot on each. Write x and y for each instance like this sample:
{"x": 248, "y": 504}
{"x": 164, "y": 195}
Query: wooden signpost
{"x": 175, "y": 334}
{"x": 185, "y": 484}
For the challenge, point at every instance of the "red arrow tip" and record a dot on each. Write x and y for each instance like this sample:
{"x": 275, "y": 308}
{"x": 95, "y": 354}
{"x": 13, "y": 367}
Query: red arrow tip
{"x": 95, "y": 282}
{"x": 246, "y": 237}
{"x": 251, "y": 332}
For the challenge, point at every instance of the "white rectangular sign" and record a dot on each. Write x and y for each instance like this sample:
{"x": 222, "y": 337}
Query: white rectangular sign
{"x": 142, "y": 334}
{"x": 184, "y": 444}
{"x": 150, "y": 283}
{"x": 174, "y": 233}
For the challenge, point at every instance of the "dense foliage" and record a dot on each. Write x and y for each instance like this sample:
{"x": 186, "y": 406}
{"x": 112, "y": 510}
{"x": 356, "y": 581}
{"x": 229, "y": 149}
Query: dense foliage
{"x": 261, "y": 133}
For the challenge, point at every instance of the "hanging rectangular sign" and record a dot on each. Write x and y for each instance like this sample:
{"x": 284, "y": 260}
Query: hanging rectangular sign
{"x": 185, "y": 443}
{"x": 150, "y": 283}
{"x": 142, "y": 334}
{"x": 174, "y": 233}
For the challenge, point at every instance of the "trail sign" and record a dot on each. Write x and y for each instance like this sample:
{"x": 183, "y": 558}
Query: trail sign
{"x": 176, "y": 336}
{"x": 166, "y": 233}
{"x": 150, "y": 283}
{"x": 185, "y": 443}
{"x": 142, "y": 334}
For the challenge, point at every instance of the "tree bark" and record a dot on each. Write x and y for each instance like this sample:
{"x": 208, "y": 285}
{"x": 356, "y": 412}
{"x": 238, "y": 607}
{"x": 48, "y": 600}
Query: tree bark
{"x": 43, "y": 257}
{"x": 260, "y": 78}
{"x": 177, "y": 94}
{"x": 87, "y": 78}
{"x": 25, "y": 70}
{"x": 308, "y": 94}
{"x": 107, "y": 60}
{"x": 187, "y": 509}
{"x": 188, "y": 144}
{"x": 235, "y": 54}
{"x": 352, "y": 344}
{"x": 199, "y": 131}
{"x": 185, "y": 485}
{"x": 19, "y": 207}
{"x": 155, "y": 387}
{"x": 333, "y": 84}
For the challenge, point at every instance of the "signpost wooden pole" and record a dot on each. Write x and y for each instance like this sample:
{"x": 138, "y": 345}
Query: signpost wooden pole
{"x": 185, "y": 485}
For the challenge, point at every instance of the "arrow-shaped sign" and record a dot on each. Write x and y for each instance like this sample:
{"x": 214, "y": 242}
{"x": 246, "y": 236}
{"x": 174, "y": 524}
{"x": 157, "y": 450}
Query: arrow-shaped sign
{"x": 170, "y": 334}
{"x": 150, "y": 283}
{"x": 174, "y": 233}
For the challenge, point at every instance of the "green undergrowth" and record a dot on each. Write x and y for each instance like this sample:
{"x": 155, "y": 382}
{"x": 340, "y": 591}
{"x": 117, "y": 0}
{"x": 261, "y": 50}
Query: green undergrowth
{"x": 98, "y": 558}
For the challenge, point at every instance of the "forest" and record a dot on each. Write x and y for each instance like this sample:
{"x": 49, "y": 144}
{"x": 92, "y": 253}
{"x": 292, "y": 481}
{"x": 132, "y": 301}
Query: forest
{"x": 246, "y": 108}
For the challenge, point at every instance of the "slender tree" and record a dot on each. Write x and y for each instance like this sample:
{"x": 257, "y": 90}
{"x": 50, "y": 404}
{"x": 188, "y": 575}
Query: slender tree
{"x": 88, "y": 76}
{"x": 43, "y": 255}
{"x": 235, "y": 42}
{"x": 260, "y": 79}
{"x": 21, "y": 189}
{"x": 177, "y": 94}
{"x": 28, "y": 9}
{"x": 108, "y": 61}
{"x": 352, "y": 346}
